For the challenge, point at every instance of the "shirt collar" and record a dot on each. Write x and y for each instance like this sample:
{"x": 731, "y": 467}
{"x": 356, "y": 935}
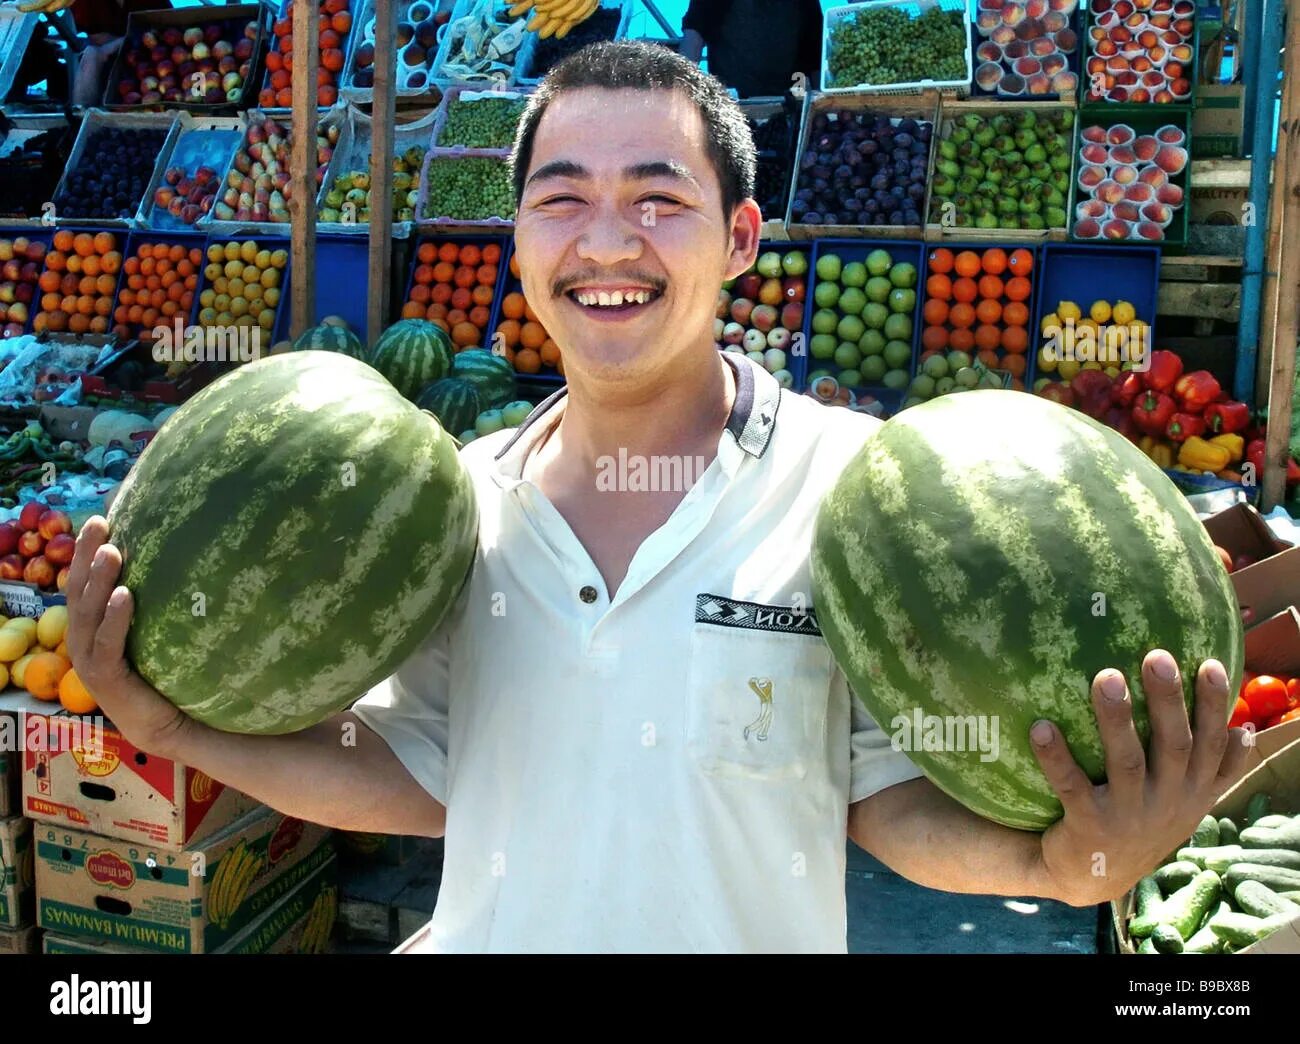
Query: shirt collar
{"x": 750, "y": 424}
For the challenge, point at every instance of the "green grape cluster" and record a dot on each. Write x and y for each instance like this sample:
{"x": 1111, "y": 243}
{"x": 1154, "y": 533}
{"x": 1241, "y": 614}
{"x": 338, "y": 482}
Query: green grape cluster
{"x": 887, "y": 45}
{"x": 488, "y": 123}
{"x": 471, "y": 188}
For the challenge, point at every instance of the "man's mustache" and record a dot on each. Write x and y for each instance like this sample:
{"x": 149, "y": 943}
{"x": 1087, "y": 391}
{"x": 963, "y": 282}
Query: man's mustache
{"x": 563, "y": 285}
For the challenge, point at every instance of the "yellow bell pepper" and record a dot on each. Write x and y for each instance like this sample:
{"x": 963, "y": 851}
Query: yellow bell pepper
{"x": 1158, "y": 450}
{"x": 1201, "y": 455}
{"x": 1233, "y": 443}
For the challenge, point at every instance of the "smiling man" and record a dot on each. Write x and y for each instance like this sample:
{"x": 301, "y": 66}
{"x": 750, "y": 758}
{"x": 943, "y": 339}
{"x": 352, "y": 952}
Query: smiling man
{"x": 630, "y": 729}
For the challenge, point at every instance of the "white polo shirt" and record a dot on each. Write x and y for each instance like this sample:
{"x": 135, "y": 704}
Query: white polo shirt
{"x": 666, "y": 771}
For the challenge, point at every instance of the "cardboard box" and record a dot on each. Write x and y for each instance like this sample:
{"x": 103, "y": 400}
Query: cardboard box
{"x": 1278, "y": 775}
{"x": 193, "y": 901}
{"x": 1218, "y": 206}
{"x": 104, "y": 785}
{"x": 1273, "y": 582}
{"x": 24, "y": 940}
{"x": 15, "y": 872}
{"x": 1218, "y": 120}
{"x": 297, "y": 923}
{"x": 9, "y": 774}
{"x": 1273, "y": 647}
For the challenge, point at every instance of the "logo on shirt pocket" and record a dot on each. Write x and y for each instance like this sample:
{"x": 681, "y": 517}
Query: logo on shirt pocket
{"x": 762, "y": 688}
{"x": 753, "y": 616}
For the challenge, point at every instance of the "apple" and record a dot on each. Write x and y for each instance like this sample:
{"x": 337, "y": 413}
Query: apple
{"x": 754, "y": 357}
{"x": 9, "y": 534}
{"x": 749, "y": 285}
{"x": 779, "y": 337}
{"x": 61, "y": 581}
{"x": 774, "y": 359}
{"x": 192, "y": 36}
{"x": 489, "y": 421}
{"x": 724, "y": 305}
{"x": 718, "y": 327}
{"x": 792, "y": 316}
{"x": 12, "y": 270}
{"x": 515, "y": 413}
{"x": 8, "y": 293}
{"x": 741, "y": 309}
{"x": 794, "y": 263}
{"x": 11, "y": 330}
{"x": 31, "y": 544}
{"x": 61, "y": 548}
{"x": 771, "y": 293}
{"x": 30, "y": 516}
{"x": 764, "y": 317}
{"x": 754, "y": 341}
{"x": 52, "y": 523}
{"x": 793, "y": 288}
{"x": 733, "y": 333}
{"x": 769, "y": 264}
{"x": 18, "y": 312}
{"x": 11, "y": 567}
{"x": 39, "y": 571}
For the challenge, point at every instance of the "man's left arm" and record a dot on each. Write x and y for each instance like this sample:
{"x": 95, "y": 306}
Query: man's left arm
{"x": 1109, "y": 836}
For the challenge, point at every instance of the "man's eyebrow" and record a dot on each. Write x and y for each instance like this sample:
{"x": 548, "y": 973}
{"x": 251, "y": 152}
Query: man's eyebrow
{"x": 559, "y": 169}
{"x": 636, "y": 172}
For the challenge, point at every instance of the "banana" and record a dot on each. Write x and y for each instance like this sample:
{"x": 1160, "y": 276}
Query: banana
{"x": 243, "y": 882}
{"x": 564, "y": 10}
{"x": 217, "y": 888}
{"x": 549, "y": 29}
{"x": 520, "y": 8}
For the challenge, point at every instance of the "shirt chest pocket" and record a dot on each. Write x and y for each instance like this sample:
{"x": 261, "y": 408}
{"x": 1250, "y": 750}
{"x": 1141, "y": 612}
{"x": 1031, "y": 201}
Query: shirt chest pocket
{"x": 757, "y": 703}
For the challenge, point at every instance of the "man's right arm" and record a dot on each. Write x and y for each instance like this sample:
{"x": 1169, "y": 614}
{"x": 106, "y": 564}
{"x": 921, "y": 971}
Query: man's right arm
{"x": 338, "y": 773}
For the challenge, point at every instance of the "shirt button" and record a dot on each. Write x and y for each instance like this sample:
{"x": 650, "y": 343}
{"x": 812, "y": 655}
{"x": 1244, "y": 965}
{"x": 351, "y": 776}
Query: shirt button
{"x": 588, "y": 594}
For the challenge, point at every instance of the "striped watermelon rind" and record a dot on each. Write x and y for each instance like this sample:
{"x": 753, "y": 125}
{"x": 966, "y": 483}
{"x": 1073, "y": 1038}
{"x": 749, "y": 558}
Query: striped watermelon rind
{"x": 959, "y": 569}
{"x": 453, "y": 400}
{"x": 290, "y": 537}
{"x": 330, "y": 337}
{"x": 493, "y": 375}
{"x": 412, "y": 354}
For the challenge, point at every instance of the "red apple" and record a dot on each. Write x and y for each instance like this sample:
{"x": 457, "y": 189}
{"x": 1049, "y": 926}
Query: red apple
{"x": 61, "y": 581}
{"x": 11, "y": 567}
{"x": 39, "y": 571}
{"x": 31, "y": 544}
{"x": 793, "y": 288}
{"x": 52, "y": 523}
{"x": 9, "y": 534}
{"x": 748, "y": 285}
{"x": 60, "y": 548}
{"x": 30, "y": 516}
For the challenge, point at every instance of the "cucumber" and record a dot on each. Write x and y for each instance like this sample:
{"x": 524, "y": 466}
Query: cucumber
{"x": 1206, "y": 834}
{"x": 1148, "y": 904}
{"x": 1166, "y": 939}
{"x": 1287, "y": 836}
{"x": 1283, "y": 857}
{"x": 1227, "y": 831}
{"x": 1278, "y": 878}
{"x": 1205, "y": 941}
{"x": 1274, "y": 820}
{"x": 1260, "y": 900}
{"x": 1294, "y": 896}
{"x": 1258, "y": 806}
{"x": 1240, "y": 930}
{"x": 1185, "y": 909}
{"x": 1147, "y": 947}
{"x": 1201, "y": 857}
{"x": 1172, "y": 876}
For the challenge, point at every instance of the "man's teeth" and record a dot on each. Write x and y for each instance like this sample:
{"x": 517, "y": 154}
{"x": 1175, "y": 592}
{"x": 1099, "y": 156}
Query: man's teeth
{"x": 604, "y": 299}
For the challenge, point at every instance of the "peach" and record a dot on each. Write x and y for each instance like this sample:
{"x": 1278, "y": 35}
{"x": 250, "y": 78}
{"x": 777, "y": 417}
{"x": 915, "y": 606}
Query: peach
{"x": 1160, "y": 213}
{"x": 1116, "y": 64}
{"x": 987, "y": 21}
{"x": 1042, "y": 47}
{"x": 988, "y": 51}
{"x": 1140, "y": 94}
{"x": 1149, "y": 38}
{"x": 1066, "y": 41}
{"x": 1090, "y": 208}
{"x": 1170, "y": 194}
{"x": 1181, "y": 87}
{"x": 1096, "y": 65}
{"x": 1012, "y": 85}
{"x": 1184, "y": 27}
{"x": 1173, "y": 70}
{"x": 1065, "y": 82}
{"x": 1161, "y": 21}
{"x": 1067, "y": 7}
{"x": 1029, "y": 30}
{"x": 1120, "y": 134}
{"x": 1015, "y": 49}
{"x": 1040, "y": 83}
{"x": 1108, "y": 20}
{"x": 1107, "y": 49}
{"x": 1003, "y": 34}
{"x": 1102, "y": 6}
{"x": 1170, "y": 38}
{"x": 988, "y": 75}
{"x": 1171, "y": 158}
{"x": 1116, "y": 229}
{"x": 1035, "y": 8}
{"x": 1097, "y": 34}
{"x": 1181, "y": 53}
{"x": 1055, "y": 22}
{"x": 1092, "y": 176}
{"x": 1136, "y": 21}
{"x": 1110, "y": 192}
{"x": 1028, "y": 66}
{"x": 1155, "y": 177}
{"x": 1088, "y": 228}
{"x": 1094, "y": 154}
{"x": 1149, "y": 230}
{"x": 1118, "y": 94}
{"x": 1124, "y": 211}
{"x": 1120, "y": 35}
{"x": 1157, "y": 54}
{"x": 1094, "y": 134}
{"x": 1013, "y": 14}
{"x": 1153, "y": 80}
{"x": 1163, "y": 98}
{"x": 1124, "y": 174}
{"x": 1121, "y": 155}
{"x": 1053, "y": 64}
{"x": 1145, "y": 147}
{"x": 1139, "y": 192}
{"x": 1123, "y": 8}
{"x": 1126, "y": 79}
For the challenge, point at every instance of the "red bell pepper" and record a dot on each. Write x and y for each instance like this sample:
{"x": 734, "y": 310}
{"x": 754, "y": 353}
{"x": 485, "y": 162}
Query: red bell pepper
{"x": 1126, "y": 388}
{"x": 1196, "y": 390}
{"x": 1121, "y": 420}
{"x": 1255, "y": 456}
{"x": 1182, "y": 426}
{"x": 1093, "y": 390}
{"x": 1226, "y": 418}
{"x": 1152, "y": 413}
{"x": 1166, "y": 368}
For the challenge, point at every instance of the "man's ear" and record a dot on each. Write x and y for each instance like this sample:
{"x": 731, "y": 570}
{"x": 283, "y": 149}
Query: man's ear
{"x": 746, "y": 223}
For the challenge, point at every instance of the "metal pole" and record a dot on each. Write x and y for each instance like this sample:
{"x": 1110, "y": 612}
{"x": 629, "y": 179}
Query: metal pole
{"x": 383, "y": 115}
{"x": 657, "y": 15}
{"x": 1259, "y": 146}
{"x": 302, "y": 167}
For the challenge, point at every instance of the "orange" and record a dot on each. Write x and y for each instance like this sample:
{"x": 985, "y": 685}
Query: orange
{"x": 1014, "y": 365}
{"x": 481, "y": 295}
{"x": 994, "y": 261}
{"x": 176, "y": 254}
{"x": 104, "y": 306}
{"x": 461, "y": 298}
{"x": 44, "y": 672}
{"x": 967, "y": 263}
{"x": 1021, "y": 262}
{"x": 512, "y": 305}
{"x": 412, "y": 310}
{"x": 74, "y": 264}
{"x": 63, "y": 240}
{"x": 341, "y": 23}
{"x": 428, "y": 252}
{"x": 961, "y": 315}
{"x": 87, "y": 285}
{"x": 934, "y": 338}
{"x": 528, "y": 361}
{"x": 990, "y": 286}
{"x": 465, "y": 333}
{"x": 470, "y": 255}
{"x": 989, "y": 358}
{"x": 456, "y": 315}
{"x": 274, "y": 62}
{"x": 424, "y": 274}
{"x": 939, "y": 286}
{"x": 436, "y": 311}
{"x": 988, "y": 311}
{"x": 509, "y": 331}
{"x": 50, "y": 302}
{"x": 441, "y": 324}
{"x": 987, "y": 337}
{"x": 529, "y": 314}
{"x": 440, "y": 293}
{"x": 1018, "y": 288}
{"x": 420, "y": 292}
{"x": 935, "y": 311}
{"x": 479, "y": 316}
{"x": 104, "y": 242}
{"x": 332, "y": 59}
{"x": 514, "y": 266}
{"x": 111, "y": 262}
{"x": 486, "y": 275}
{"x": 961, "y": 340}
{"x": 74, "y": 695}
{"x": 105, "y": 284}
{"x": 131, "y": 266}
{"x": 464, "y": 276}
{"x": 491, "y": 254}
{"x": 443, "y": 272}
{"x": 279, "y": 78}
{"x": 550, "y": 353}
{"x": 328, "y": 37}
{"x": 326, "y": 96}
{"x": 86, "y": 304}
{"x": 941, "y": 260}
{"x": 1015, "y": 314}
{"x": 90, "y": 266}
{"x": 965, "y": 289}
{"x": 532, "y": 336}
{"x": 56, "y": 262}
{"x": 284, "y": 98}
{"x": 448, "y": 252}
{"x": 1015, "y": 339}
{"x": 49, "y": 281}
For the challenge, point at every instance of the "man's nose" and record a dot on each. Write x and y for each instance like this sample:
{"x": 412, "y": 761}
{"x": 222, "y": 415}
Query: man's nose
{"x": 609, "y": 238}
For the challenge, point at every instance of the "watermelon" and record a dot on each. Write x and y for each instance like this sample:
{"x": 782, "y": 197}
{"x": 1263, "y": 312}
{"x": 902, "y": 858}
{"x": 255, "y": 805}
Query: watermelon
{"x": 493, "y": 375}
{"x": 981, "y": 559}
{"x": 290, "y": 536}
{"x": 331, "y": 337}
{"x": 453, "y": 400}
{"x": 412, "y": 354}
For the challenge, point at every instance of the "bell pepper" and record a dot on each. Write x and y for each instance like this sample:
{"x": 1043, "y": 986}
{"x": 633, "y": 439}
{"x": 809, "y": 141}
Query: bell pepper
{"x": 1126, "y": 388}
{"x": 1161, "y": 453}
{"x": 1234, "y": 444}
{"x": 1122, "y": 421}
{"x": 1255, "y": 456}
{"x": 1196, "y": 390}
{"x": 1152, "y": 412}
{"x": 1166, "y": 367}
{"x": 1199, "y": 455}
{"x": 1227, "y": 417}
{"x": 1183, "y": 426}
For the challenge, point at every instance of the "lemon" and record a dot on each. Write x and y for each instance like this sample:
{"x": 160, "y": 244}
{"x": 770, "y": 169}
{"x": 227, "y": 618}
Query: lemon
{"x": 1050, "y": 322}
{"x": 1092, "y": 366}
{"x": 1089, "y": 324}
{"x": 248, "y": 251}
{"x": 1069, "y": 369}
{"x": 18, "y": 670}
{"x": 23, "y": 624}
{"x": 230, "y": 251}
{"x": 1100, "y": 311}
{"x": 52, "y": 626}
{"x": 216, "y": 252}
{"x": 1123, "y": 312}
{"x": 1112, "y": 372}
{"x": 13, "y": 644}
{"x": 233, "y": 269}
{"x": 263, "y": 259}
{"x": 1069, "y": 310}
{"x": 4, "y": 677}
{"x": 1047, "y": 361}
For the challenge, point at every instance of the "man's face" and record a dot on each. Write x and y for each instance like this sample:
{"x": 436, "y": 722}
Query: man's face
{"x": 622, "y": 202}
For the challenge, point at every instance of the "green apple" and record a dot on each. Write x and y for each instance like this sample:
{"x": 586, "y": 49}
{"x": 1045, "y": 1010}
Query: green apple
{"x": 908, "y": 403}
{"x": 873, "y": 368}
{"x": 872, "y": 342}
{"x": 824, "y": 321}
{"x": 850, "y": 378}
{"x": 794, "y": 263}
{"x": 855, "y": 274}
{"x": 936, "y": 366}
{"x": 958, "y": 359}
{"x": 1042, "y": 383}
{"x": 922, "y": 386}
{"x": 902, "y": 300}
{"x": 895, "y": 379}
{"x": 898, "y": 327}
{"x": 966, "y": 377}
{"x": 826, "y": 295}
{"x": 878, "y": 289}
{"x": 822, "y": 345}
{"x": 515, "y": 413}
{"x": 828, "y": 267}
{"x": 466, "y": 437}
{"x": 943, "y": 385}
{"x": 852, "y": 301}
{"x": 874, "y": 315}
{"x": 848, "y": 356}
{"x": 817, "y": 375}
{"x": 878, "y": 262}
{"x": 489, "y": 421}
{"x": 851, "y": 328}
{"x": 897, "y": 354}
{"x": 903, "y": 275}
{"x": 769, "y": 264}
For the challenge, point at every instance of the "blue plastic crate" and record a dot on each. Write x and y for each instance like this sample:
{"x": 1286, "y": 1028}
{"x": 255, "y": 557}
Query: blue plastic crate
{"x": 796, "y": 363}
{"x": 279, "y": 331}
{"x": 503, "y": 242}
{"x": 547, "y": 378}
{"x": 36, "y": 234}
{"x": 189, "y": 240}
{"x": 849, "y": 250}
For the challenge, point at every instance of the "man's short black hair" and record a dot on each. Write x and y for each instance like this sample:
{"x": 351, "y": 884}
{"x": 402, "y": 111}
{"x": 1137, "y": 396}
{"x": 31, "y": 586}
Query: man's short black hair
{"x": 647, "y": 66}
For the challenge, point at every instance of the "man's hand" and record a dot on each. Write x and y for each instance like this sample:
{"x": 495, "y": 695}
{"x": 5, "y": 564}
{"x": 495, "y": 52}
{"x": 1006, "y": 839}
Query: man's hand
{"x": 1114, "y": 833}
{"x": 99, "y": 616}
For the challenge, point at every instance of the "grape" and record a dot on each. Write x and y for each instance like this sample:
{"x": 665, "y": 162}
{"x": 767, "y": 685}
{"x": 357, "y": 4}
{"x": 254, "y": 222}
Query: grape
{"x": 470, "y": 188}
{"x": 488, "y": 123}
{"x": 887, "y": 45}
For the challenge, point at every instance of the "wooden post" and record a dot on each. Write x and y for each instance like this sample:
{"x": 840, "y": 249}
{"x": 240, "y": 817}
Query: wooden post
{"x": 302, "y": 167}
{"x": 383, "y": 116}
{"x": 1286, "y": 329}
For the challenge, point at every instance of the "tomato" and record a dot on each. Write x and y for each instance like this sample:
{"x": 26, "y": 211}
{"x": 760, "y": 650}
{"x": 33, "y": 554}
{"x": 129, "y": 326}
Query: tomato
{"x": 1282, "y": 719}
{"x": 1293, "y": 693}
{"x": 1241, "y": 716}
{"x": 1266, "y": 696}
